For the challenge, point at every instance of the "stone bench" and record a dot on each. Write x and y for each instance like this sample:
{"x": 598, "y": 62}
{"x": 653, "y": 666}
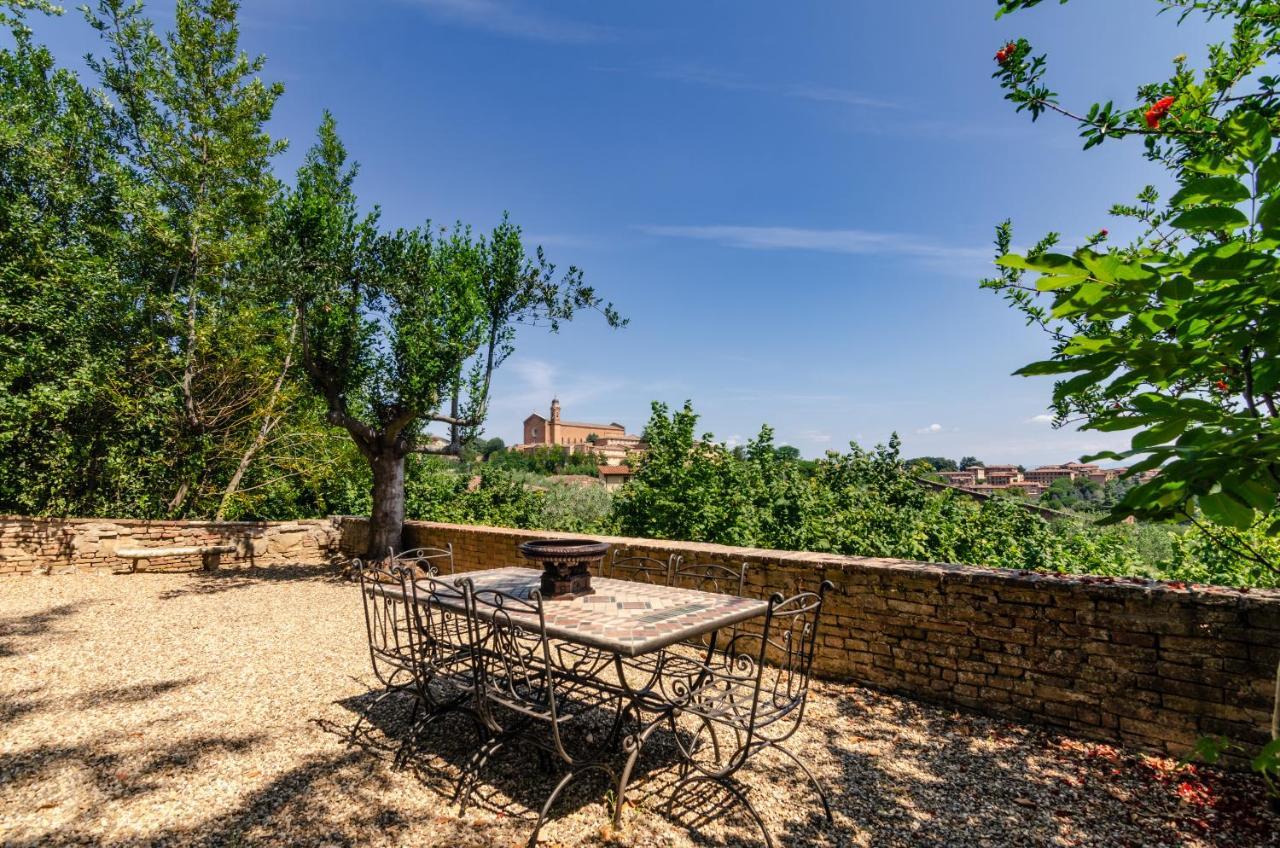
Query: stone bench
{"x": 209, "y": 554}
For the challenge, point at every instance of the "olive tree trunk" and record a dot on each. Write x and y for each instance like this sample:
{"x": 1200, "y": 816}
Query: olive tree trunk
{"x": 386, "y": 520}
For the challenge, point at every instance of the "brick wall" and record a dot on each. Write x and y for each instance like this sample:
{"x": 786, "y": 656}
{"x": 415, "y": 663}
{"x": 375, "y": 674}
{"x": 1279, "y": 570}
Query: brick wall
{"x": 57, "y": 545}
{"x": 1141, "y": 663}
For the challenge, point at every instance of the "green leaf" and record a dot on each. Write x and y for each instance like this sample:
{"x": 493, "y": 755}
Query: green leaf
{"x": 1048, "y": 366}
{"x": 1215, "y": 163}
{"x": 1232, "y": 265}
{"x": 1269, "y": 175}
{"x": 1208, "y": 749}
{"x": 1211, "y": 218}
{"x": 1268, "y": 759}
{"x": 1054, "y": 282}
{"x": 1266, "y": 375}
{"x": 1224, "y": 508}
{"x": 1177, "y": 288}
{"x": 1223, "y": 191}
{"x": 1269, "y": 214}
{"x": 1165, "y": 431}
{"x": 1013, "y": 260}
{"x": 1249, "y": 133}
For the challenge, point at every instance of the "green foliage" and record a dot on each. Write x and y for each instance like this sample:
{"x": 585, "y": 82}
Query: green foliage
{"x": 547, "y": 459}
{"x": 140, "y": 364}
{"x": 576, "y": 508}
{"x": 933, "y": 463}
{"x": 399, "y": 329}
{"x": 1175, "y": 336}
{"x": 863, "y": 502}
{"x": 1067, "y": 494}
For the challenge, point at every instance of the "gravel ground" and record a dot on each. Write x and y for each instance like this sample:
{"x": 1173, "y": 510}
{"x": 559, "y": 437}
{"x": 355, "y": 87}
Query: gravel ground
{"x": 214, "y": 710}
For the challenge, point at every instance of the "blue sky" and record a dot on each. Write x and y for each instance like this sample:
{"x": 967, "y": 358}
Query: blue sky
{"x": 792, "y": 202}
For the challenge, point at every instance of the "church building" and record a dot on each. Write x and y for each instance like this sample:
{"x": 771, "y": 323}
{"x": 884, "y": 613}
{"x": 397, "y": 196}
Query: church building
{"x": 553, "y": 431}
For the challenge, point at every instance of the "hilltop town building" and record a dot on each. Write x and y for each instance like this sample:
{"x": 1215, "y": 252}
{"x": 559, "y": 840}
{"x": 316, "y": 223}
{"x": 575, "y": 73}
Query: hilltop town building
{"x": 1033, "y": 483}
{"x": 610, "y": 443}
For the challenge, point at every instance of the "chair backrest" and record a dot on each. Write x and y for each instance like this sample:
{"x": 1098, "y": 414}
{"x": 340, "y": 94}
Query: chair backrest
{"x": 510, "y": 646}
{"x": 386, "y": 620}
{"x": 711, "y": 577}
{"x": 790, "y": 642}
{"x": 440, "y": 635}
{"x": 641, "y": 569}
{"x": 762, "y": 684}
{"x": 430, "y": 562}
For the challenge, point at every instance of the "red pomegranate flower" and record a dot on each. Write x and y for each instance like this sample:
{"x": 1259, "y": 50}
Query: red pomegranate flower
{"x": 1006, "y": 53}
{"x": 1222, "y": 386}
{"x": 1158, "y": 111}
{"x": 1103, "y": 232}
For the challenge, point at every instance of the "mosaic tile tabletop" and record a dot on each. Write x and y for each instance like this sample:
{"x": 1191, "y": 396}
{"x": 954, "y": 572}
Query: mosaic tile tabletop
{"x": 624, "y": 617}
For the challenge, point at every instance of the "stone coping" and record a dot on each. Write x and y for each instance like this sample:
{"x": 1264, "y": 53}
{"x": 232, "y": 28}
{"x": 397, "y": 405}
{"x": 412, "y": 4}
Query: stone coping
{"x": 950, "y": 572}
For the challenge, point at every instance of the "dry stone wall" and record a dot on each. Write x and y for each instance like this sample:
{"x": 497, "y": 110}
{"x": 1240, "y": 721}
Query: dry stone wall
{"x": 1151, "y": 665}
{"x": 56, "y": 545}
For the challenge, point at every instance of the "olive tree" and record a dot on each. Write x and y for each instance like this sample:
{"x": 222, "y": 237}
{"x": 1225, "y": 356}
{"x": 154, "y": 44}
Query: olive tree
{"x": 401, "y": 329}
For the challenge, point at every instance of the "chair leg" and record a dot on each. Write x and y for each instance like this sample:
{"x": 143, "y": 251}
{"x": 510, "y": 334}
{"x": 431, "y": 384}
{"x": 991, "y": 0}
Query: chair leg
{"x": 637, "y": 743}
{"x": 363, "y": 717}
{"x": 555, "y": 793}
{"x": 471, "y": 771}
{"x": 731, "y": 786}
{"x": 822, "y": 794}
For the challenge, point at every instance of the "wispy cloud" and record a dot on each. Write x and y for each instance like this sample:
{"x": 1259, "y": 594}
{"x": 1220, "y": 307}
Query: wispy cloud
{"x": 515, "y": 19}
{"x": 1042, "y": 418}
{"x": 527, "y": 384}
{"x": 932, "y": 428}
{"x": 815, "y": 437}
{"x": 711, "y": 78}
{"x": 830, "y": 241}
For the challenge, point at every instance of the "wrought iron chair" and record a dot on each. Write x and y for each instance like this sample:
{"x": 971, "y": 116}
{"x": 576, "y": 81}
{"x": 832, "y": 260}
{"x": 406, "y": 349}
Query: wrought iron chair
{"x": 536, "y": 690}
{"x": 430, "y": 562}
{"x": 641, "y": 569}
{"x": 440, "y": 639}
{"x": 754, "y": 701}
{"x": 387, "y": 627}
{"x": 711, "y": 577}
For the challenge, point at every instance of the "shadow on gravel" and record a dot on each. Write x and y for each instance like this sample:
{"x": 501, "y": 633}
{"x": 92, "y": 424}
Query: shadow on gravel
{"x": 513, "y": 785}
{"x": 229, "y": 579}
{"x": 36, "y": 625}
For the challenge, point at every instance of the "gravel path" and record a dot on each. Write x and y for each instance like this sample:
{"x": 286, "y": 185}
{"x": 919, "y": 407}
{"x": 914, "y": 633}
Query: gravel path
{"x": 165, "y": 709}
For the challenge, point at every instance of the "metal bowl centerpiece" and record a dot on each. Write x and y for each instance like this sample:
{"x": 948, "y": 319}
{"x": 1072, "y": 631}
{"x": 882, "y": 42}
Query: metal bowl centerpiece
{"x": 566, "y": 565}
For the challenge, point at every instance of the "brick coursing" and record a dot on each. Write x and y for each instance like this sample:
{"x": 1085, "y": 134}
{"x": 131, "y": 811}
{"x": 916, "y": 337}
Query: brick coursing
{"x": 1143, "y": 663}
{"x": 1146, "y": 664}
{"x": 65, "y": 545}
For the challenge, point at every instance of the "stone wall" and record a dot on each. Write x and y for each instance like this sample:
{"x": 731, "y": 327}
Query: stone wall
{"x": 58, "y": 545}
{"x": 1150, "y": 665}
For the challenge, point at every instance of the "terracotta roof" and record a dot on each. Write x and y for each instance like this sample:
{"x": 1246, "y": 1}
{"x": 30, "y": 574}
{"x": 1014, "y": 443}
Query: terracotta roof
{"x": 587, "y": 424}
{"x": 614, "y": 470}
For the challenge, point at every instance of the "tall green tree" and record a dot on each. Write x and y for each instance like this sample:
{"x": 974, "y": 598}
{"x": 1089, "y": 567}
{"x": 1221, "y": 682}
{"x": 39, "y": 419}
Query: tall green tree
{"x": 189, "y": 118}
{"x": 402, "y": 329}
{"x": 1174, "y": 335}
{"x": 63, "y": 304}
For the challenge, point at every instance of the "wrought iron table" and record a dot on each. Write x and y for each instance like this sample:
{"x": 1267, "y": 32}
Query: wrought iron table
{"x": 623, "y": 617}
{"x": 620, "y": 640}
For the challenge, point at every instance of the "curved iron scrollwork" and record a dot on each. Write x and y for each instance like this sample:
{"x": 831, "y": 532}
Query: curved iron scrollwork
{"x": 387, "y": 625}
{"x": 439, "y": 636}
{"x": 754, "y": 699}
{"x": 538, "y": 690}
{"x": 428, "y": 562}
{"x": 640, "y": 569}
{"x": 711, "y": 577}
